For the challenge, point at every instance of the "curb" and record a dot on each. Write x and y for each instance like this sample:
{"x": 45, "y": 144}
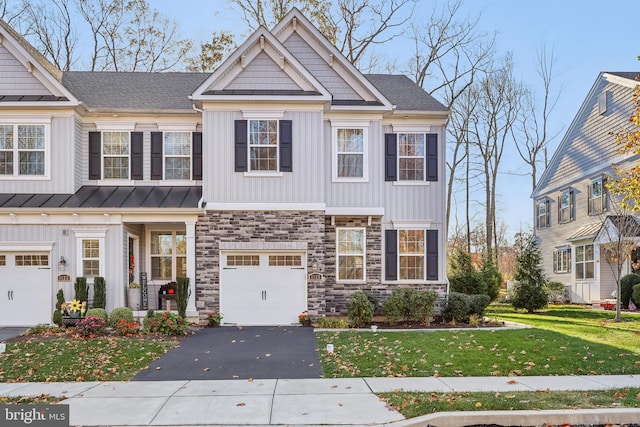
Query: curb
{"x": 629, "y": 416}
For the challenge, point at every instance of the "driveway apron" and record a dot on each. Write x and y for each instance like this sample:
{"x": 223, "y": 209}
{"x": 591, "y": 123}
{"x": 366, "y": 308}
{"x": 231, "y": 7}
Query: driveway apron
{"x": 260, "y": 352}
{"x": 11, "y": 332}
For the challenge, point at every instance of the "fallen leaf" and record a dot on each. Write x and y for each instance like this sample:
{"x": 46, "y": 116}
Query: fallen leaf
{"x": 241, "y": 404}
{"x": 235, "y": 376}
{"x": 478, "y": 404}
{"x": 206, "y": 369}
{"x": 233, "y": 341}
{"x": 158, "y": 368}
{"x": 250, "y": 380}
{"x": 340, "y": 404}
{"x": 512, "y": 382}
{"x": 268, "y": 354}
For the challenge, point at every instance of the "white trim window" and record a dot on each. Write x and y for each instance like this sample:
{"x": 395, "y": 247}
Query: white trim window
{"x": 90, "y": 255}
{"x": 562, "y": 259}
{"x": 351, "y": 254}
{"x": 116, "y": 148}
{"x": 177, "y": 155}
{"x": 23, "y": 150}
{"x": 565, "y": 206}
{"x": 168, "y": 252}
{"x": 597, "y": 197}
{"x": 263, "y": 145}
{"x": 411, "y": 156}
{"x": 411, "y": 254}
{"x": 350, "y": 159}
{"x": 543, "y": 215}
{"x": 585, "y": 262}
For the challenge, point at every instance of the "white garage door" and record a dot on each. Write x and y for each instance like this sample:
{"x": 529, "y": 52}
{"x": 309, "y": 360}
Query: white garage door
{"x": 262, "y": 288}
{"x": 25, "y": 288}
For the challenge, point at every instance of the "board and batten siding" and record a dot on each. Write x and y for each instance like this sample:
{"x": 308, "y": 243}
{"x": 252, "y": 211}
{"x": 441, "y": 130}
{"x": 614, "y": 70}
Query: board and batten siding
{"x": 16, "y": 79}
{"x": 320, "y": 69}
{"x": 263, "y": 74}
{"x": 60, "y": 160}
{"x": 221, "y": 184}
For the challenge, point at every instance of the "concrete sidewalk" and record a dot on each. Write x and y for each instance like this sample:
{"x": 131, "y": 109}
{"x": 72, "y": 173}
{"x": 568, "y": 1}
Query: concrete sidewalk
{"x": 307, "y": 401}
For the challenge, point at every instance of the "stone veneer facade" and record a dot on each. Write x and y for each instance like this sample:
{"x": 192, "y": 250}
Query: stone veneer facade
{"x": 295, "y": 230}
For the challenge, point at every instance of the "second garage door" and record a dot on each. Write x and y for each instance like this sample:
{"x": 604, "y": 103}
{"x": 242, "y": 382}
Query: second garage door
{"x": 262, "y": 288}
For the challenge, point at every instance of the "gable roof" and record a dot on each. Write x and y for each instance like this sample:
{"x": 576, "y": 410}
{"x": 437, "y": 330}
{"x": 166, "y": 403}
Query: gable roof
{"x": 404, "y": 93}
{"x": 37, "y": 65}
{"x": 133, "y": 90}
{"x": 587, "y": 140}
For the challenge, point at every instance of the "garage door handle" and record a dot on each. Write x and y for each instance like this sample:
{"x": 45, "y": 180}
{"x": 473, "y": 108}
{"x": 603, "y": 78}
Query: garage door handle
{"x": 229, "y": 268}
{"x": 297, "y": 268}
{"x": 264, "y": 295}
{"x": 44, "y": 268}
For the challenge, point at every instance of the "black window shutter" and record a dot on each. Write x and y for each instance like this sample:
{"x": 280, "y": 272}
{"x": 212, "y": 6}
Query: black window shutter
{"x": 569, "y": 260}
{"x": 241, "y": 145}
{"x": 390, "y": 157}
{"x": 156, "y": 155}
{"x": 432, "y": 157}
{"x": 548, "y": 210}
{"x": 559, "y": 210}
{"x": 137, "y": 150}
{"x": 571, "y": 213}
{"x": 555, "y": 261}
{"x": 95, "y": 154}
{"x": 196, "y": 156}
{"x": 286, "y": 146}
{"x": 391, "y": 255}
{"x": 432, "y": 254}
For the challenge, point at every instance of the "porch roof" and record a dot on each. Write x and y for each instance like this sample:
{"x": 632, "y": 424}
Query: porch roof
{"x": 109, "y": 197}
{"x": 588, "y": 231}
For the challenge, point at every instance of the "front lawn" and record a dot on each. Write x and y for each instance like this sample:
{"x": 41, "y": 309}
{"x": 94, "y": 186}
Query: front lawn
{"x": 565, "y": 341}
{"x": 77, "y": 359}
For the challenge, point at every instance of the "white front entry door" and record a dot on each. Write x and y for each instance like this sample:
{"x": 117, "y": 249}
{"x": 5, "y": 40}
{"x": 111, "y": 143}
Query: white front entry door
{"x": 25, "y": 288}
{"x": 262, "y": 288}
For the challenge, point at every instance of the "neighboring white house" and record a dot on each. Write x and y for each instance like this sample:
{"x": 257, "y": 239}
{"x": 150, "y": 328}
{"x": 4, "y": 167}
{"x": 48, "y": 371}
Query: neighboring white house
{"x": 284, "y": 181}
{"x": 570, "y": 200}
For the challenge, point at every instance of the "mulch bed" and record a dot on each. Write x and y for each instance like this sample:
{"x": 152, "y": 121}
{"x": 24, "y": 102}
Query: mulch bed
{"x": 437, "y": 323}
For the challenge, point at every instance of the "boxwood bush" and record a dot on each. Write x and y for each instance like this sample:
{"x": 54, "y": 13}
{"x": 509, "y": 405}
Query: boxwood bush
{"x": 360, "y": 310}
{"x": 118, "y": 314}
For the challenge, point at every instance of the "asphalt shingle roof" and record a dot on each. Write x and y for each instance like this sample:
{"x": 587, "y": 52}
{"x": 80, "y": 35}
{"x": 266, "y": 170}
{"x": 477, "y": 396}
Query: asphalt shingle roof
{"x": 404, "y": 93}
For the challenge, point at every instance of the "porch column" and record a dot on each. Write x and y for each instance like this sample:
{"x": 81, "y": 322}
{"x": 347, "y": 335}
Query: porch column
{"x": 191, "y": 266}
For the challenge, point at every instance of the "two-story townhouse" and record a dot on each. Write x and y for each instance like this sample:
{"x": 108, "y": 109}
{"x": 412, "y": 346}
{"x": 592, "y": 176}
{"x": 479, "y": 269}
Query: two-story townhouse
{"x": 571, "y": 202}
{"x": 284, "y": 181}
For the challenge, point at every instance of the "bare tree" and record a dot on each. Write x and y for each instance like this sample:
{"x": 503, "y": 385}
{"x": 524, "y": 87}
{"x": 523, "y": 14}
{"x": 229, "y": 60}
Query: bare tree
{"x": 617, "y": 237}
{"x": 10, "y": 12}
{"x": 498, "y": 97}
{"x": 105, "y": 19}
{"x": 533, "y": 130}
{"x": 50, "y": 26}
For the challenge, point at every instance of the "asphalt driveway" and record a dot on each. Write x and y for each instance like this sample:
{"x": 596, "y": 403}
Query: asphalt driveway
{"x": 228, "y": 352}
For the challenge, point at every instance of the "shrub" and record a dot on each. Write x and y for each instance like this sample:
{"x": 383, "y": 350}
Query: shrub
{"x": 626, "y": 288}
{"x": 90, "y": 326}
{"x": 57, "y": 314}
{"x": 182, "y": 295}
{"x": 169, "y": 324}
{"x": 332, "y": 323}
{"x": 99, "y": 293}
{"x": 82, "y": 289}
{"x": 98, "y": 312}
{"x": 125, "y": 329}
{"x": 463, "y": 277}
{"x": 528, "y": 292}
{"x": 478, "y": 304}
{"x": 491, "y": 278}
{"x": 360, "y": 309}
{"x": 409, "y": 305}
{"x": 636, "y": 294}
{"x": 555, "y": 292}
{"x": 118, "y": 314}
{"x": 146, "y": 322}
{"x": 456, "y": 308}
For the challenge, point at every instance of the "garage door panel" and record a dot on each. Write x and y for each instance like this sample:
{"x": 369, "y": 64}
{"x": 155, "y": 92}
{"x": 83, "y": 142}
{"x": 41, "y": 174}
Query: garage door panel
{"x": 263, "y": 291}
{"x": 25, "y": 289}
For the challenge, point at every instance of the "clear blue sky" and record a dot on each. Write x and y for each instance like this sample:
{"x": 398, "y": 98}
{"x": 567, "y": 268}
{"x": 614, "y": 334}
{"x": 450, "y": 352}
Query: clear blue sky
{"x": 588, "y": 36}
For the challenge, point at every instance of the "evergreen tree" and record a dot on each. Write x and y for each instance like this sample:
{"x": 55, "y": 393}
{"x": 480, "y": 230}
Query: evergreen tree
{"x": 529, "y": 292}
{"x": 463, "y": 276}
{"x": 491, "y": 277}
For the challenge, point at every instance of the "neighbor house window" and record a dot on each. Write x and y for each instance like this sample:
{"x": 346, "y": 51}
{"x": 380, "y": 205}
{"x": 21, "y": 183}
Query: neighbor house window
{"x": 543, "y": 216}
{"x": 350, "y": 151}
{"x": 562, "y": 260}
{"x": 597, "y": 197}
{"x": 22, "y": 149}
{"x": 585, "y": 264}
{"x": 168, "y": 254}
{"x": 263, "y": 145}
{"x": 565, "y": 206}
{"x": 91, "y": 258}
{"x": 115, "y": 155}
{"x": 411, "y": 254}
{"x": 411, "y": 156}
{"x": 177, "y": 155}
{"x": 351, "y": 254}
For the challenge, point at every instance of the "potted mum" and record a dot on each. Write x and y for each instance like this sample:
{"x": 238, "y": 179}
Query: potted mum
{"x": 214, "y": 319}
{"x": 134, "y": 296}
{"x": 304, "y": 318}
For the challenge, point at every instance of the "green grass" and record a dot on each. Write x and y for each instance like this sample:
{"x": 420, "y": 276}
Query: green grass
{"x": 43, "y": 399}
{"x": 565, "y": 340}
{"x": 416, "y": 404}
{"x": 76, "y": 359}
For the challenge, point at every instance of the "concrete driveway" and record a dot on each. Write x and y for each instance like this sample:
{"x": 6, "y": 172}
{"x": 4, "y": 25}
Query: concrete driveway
{"x": 228, "y": 352}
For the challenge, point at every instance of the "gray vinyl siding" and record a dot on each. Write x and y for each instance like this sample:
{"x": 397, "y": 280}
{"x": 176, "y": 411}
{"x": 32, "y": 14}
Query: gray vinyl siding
{"x": 590, "y": 141}
{"x": 61, "y": 162}
{"x": 16, "y": 79}
{"x": 263, "y": 73}
{"x": 321, "y": 70}
{"x": 221, "y": 184}
{"x": 66, "y": 246}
